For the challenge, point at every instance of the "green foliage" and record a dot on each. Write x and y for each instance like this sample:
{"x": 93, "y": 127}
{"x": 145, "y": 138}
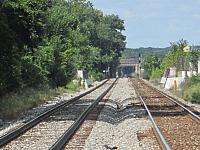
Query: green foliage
{"x": 191, "y": 89}
{"x": 33, "y": 75}
{"x": 176, "y": 56}
{"x": 156, "y": 73}
{"x": 159, "y": 52}
{"x": 193, "y": 80}
{"x": 13, "y": 104}
{"x": 194, "y": 56}
{"x": 192, "y": 93}
{"x": 97, "y": 76}
{"x": 44, "y": 42}
{"x": 150, "y": 62}
{"x": 72, "y": 86}
{"x": 20, "y": 32}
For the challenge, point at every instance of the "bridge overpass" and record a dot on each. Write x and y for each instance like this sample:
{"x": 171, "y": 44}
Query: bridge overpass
{"x": 128, "y": 67}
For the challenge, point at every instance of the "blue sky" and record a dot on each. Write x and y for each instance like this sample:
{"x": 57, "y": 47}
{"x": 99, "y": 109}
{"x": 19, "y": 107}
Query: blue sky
{"x": 156, "y": 23}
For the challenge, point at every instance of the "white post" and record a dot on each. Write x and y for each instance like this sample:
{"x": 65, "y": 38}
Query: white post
{"x": 136, "y": 68}
{"x": 191, "y": 69}
{"x": 199, "y": 66}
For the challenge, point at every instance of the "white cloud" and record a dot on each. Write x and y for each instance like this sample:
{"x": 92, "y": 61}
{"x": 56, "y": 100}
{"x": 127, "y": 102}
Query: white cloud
{"x": 196, "y": 16}
{"x": 127, "y": 14}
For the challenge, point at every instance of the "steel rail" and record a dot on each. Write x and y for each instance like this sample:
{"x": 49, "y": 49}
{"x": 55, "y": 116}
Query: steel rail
{"x": 159, "y": 135}
{"x": 179, "y": 104}
{"x": 5, "y": 139}
{"x": 61, "y": 142}
{"x": 164, "y": 143}
{"x": 176, "y": 101}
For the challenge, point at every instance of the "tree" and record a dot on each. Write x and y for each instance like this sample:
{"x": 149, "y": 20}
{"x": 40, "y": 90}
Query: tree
{"x": 44, "y": 42}
{"x": 150, "y": 63}
{"x": 21, "y": 27}
{"x": 176, "y": 56}
{"x": 194, "y": 56}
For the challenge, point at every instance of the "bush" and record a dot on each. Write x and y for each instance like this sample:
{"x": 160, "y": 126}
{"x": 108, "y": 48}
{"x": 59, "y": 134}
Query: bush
{"x": 97, "y": 76}
{"x": 192, "y": 93}
{"x": 191, "y": 89}
{"x": 72, "y": 86}
{"x": 156, "y": 73}
{"x": 33, "y": 75}
{"x": 193, "y": 80}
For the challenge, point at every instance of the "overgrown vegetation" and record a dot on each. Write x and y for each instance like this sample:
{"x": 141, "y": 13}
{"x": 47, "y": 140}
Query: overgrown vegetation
{"x": 176, "y": 57}
{"x": 192, "y": 89}
{"x": 182, "y": 57}
{"x": 151, "y": 66}
{"x": 11, "y": 105}
{"x": 72, "y": 86}
{"x": 156, "y": 73}
{"x": 98, "y": 76}
{"x": 44, "y": 42}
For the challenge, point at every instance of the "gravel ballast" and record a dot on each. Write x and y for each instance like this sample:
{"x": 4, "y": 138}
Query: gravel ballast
{"x": 8, "y": 125}
{"x": 43, "y": 135}
{"x": 192, "y": 105}
{"x": 122, "y": 123}
{"x": 123, "y": 133}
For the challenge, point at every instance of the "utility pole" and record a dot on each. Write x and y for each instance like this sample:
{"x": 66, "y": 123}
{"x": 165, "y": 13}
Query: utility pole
{"x": 199, "y": 66}
{"x": 139, "y": 67}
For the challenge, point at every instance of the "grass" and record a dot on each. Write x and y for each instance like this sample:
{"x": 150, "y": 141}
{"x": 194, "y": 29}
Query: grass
{"x": 72, "y": 86}
{"x": 155, "y": 82}
{"x": 192, "y": 93}
{"x": 189, "y": 91}
{"x": 13, "y": 104}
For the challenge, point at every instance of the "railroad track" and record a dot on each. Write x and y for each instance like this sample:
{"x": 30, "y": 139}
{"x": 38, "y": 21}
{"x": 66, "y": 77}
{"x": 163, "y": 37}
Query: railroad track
{"x": 32, "y": 133}
{"x": 176, "y": 127}
{"x": 83, "y": 125}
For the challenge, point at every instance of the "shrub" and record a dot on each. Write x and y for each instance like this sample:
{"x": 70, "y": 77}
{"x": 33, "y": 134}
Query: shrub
{"x": 191, "y": 89}
{"x": 156, "y": 73}
{"x": 98, "y": 76}
{"x": 72, "y": 86}
{"x": 33, "y": 75}
{"x": 192, "y": 93}
{"x": 193, "y": 80}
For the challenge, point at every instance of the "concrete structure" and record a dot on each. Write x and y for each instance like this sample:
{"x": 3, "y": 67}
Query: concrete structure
{"x": 85, "y": 80}
{"x": 170, "y": 77}
{"x": 128, "y": 67}
{"x": 168, "y": 83}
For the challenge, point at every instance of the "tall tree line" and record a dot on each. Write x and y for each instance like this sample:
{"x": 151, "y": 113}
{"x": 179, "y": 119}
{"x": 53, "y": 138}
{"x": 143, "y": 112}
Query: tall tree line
{"x": 44, "y": 42}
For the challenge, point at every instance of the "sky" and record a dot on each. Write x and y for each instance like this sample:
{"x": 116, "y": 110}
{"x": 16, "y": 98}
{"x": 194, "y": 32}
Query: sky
{"x": 155, "y": 23}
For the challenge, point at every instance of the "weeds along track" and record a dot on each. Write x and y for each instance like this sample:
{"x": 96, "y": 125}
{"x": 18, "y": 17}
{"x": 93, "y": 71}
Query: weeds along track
{"x": 43, "y": 131}
{"x": 179, "y": 128}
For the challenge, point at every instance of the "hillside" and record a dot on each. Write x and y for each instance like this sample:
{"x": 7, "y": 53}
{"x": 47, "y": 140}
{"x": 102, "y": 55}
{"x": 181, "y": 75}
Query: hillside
{"x": 159, "y": 52}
